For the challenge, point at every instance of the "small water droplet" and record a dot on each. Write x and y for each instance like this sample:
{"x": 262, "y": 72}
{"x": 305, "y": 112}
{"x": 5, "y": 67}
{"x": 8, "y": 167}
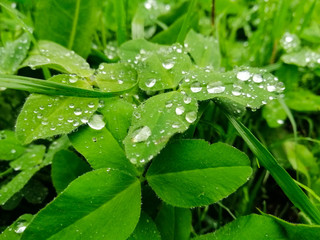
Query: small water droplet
{"x": 77, "y": 111}
{"x": 175, "y": 125}
{"x": 187, "y": 100}
{"x": 213, "y": 88}
{"x": 168, "y": 64}
{"x": 71, "y": 105}
{"x": 191, "y": 117}
{"x": 196, "y": 87}
{"x": 150, "y": 82}
{"x": 271, "y": 88}
{"x": 91, "y": 105}
{"x": 180, "y": 110}
{"x": 243, "y": 75}
{"x": 257, "y": 78}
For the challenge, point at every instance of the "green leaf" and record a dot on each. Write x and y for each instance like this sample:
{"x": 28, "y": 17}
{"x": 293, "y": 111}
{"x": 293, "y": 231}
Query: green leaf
{"x": 191, "y": 173}
{"x": 13, "y": 53}
{"x": 174, "y": 223}
{"x": 10, "y": 147}
{"x": 115, "y": 77}
{"x": 34, "y": 192}
{"x": 303, "y": 58}
{"x": 31, "y": 158}
{"x": 145, "y": 229}
{"x": 44, "y": 116}
{"x": 303, "y": 100}
{"x": 110, "y": 209}
{"x": 57, "y": 57}
{"x": 274, "y": 114}
{"x": 69, "y": 23}
{"x": 93, "y": 144}
{"x": 159, "y": 67}
{"x": 155, "y": 121}
{"x": 15, "y": 230}
{"x": 53, "y": 88}
{"x": 117, "y": 114}
{"x": 247, "y": 87}
{"x": 250, "y": 227}
{"x": 59, "y": 144}
{"x": 204, "y": 50}
{"x": 66, "y": 166}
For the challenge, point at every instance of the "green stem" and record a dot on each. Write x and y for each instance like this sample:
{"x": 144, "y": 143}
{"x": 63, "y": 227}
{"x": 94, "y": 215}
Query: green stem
{"x": 280, "y": 175}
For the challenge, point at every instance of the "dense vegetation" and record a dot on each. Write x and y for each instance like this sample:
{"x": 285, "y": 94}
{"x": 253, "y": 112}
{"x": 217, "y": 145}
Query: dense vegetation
{"x": 158, "y": 119}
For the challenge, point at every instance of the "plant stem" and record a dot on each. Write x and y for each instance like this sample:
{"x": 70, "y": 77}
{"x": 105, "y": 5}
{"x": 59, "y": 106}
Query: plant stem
{"x": 186, "y": 23}
{"x": 281, "y": 176}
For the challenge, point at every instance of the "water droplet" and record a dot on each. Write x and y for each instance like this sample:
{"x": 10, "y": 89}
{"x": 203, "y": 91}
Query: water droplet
{"x": 141, "y": 134}
{"x": 91, "y": 105}
{"x": 71, "y": 105}
{"x": 271, "y": 88}
{"x": 257, "y": 78}
{"x": 168, "y": 64}
{"x": 180, "y": 110}
{"x": 191, "y": 117}
{"x": 169, "y": 104}
{"x": 280, "y": 121}
{"x": 13, "y": 151}
{"x": 84, "y": 120}
{"x": 243, "y": 75}
{"x": 96, "y": 122}
{"x": 175, "y": 125}
{"x": 187, "y": 100}
{"x": 196, "y": 87}
{"x": 77, "y": 111}
{"x": 133, "y": 160}
{"x": 150, "y": 82}
{"x": 73, "y": 78}
{"x": 213, "y": 88}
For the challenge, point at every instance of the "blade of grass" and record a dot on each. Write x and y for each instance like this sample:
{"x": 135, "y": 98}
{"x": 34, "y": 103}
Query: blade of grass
{"x": 51, "y": 88}
{"x": 121, "y": 21}
{"x": 186, "y": 23}
{"x": 284, "y": 180}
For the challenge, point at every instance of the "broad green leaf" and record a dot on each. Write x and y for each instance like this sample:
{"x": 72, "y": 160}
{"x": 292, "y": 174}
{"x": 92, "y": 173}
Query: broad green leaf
{"x": 204, "y": 50}
{"x": 70, "y": 23}
{"x": 174, "y": 223}
{"x": 66, "y": 166}
{"x": 31, "y": 158}
{"x": 251, "y": 227}
{"x": 16, "y": 184}
{"x": 117, "y": 114}
{"x": 10, "y": 147}
{"x": 248, "y": 87}
{"x": 57, "y": 57}
{"x": 59, "y": 144}
{"x": 303, "y": 100}
{"x": 191, "y": 173}
{"x": 155, "y": 121}
{"x": 44, "y": 116}
{"x": 145, "y": 229}
{"x": 115, "y": 77}
{"x": 254, "y": 227}
{"x": 274, "y": 114}
{"x": 102, "y": 204}
{"x": 159, "y": 67}
{"x": 15, "y": 230}
{"x": 13, "y": 53}
{"x": 100, "y": 149}
{"x": 303, "y": 58}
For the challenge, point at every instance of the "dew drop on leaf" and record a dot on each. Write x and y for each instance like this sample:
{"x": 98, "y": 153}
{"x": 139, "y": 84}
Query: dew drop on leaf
{"x": 96, "y": 122}
{"x": 141, "y": 134}
{"x": 191, "y": 117}
{"x": 180, "y": 110}
{"x": 151, "y": 82}
{"x": 257, "y": 78}
{"x": 196, "y": 87}
{"x": 213, "y": 88}
{"x": 243, "y": 75}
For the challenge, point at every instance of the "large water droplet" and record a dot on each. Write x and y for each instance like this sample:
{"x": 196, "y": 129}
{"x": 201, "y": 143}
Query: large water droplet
{"x": 180, "y": 110}
{"x": 187, "y": 100}
{"x": 243, "y": 75}
{"x": 196, "y": 87}
{"x": 271, "y": 88}
{"x": 191, "y": 117}
{"x": 141, "y": 134}
{"x": 96, "y": 122}
{"x": 151, "y": 82}
{"x": 257, "y": 78}
{"x": 168, "y": 64}
{"x": 213, "y": 88}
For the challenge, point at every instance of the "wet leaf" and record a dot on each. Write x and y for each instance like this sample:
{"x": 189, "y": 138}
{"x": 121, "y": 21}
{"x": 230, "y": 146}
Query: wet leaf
{"x": 155, "y": 121}
{"x": 44, "y": 116}
{"x": 13, "y": 53}
{"x": 192, "y": 173}
{"x": 145, "y": 229}
{"x": 111, "y": 195}
{"x": 93, "y": 144}
{"x": 57, "y": 57}
{"x": 247, "y": 87}
{"x": 31, "y": 158}
{"x": 15, "y": 230}
{"x": 303, "y": 100}
{"x": 303, "y": 58}
{"x": 10, "y": 147}
{"x": 274, "y": 114}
